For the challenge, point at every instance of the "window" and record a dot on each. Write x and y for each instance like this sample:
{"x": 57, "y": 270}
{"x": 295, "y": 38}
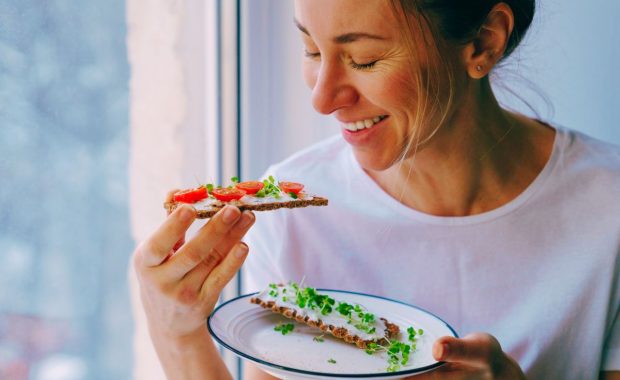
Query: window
{"x": 64, "y": 222}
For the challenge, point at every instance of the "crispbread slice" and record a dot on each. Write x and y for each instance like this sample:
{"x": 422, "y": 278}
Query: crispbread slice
{"x": 349, "y": 335}
{"x": 209, "y": 207}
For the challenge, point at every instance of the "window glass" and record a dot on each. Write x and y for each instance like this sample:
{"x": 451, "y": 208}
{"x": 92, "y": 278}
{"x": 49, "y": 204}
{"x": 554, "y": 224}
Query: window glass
{"x": 64, "y": 225}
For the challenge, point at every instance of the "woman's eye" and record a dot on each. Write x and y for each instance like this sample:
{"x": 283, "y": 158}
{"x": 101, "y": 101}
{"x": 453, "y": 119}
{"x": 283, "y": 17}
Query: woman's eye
{"x": 362, "y": 66}
{"x": 310, "y": 54}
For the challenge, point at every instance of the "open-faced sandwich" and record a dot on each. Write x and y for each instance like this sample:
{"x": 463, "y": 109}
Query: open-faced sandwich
{"x": 248, "y": 195}
{"x": 349, "y": 322}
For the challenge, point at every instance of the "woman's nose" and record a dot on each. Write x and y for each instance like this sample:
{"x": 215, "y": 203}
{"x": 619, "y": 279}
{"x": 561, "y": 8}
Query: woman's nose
{"x": 332, "y": 90}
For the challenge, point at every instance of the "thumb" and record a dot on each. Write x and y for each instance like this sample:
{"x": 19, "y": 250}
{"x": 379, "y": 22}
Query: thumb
{"x": 478, "y": 349}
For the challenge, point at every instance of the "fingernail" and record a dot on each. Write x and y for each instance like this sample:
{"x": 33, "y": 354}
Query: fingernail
{"x": 246, "y": 219}
{"x": 241, "y": 250}
{"x": 186, "y": 213}
{"x": 230, "y": 214}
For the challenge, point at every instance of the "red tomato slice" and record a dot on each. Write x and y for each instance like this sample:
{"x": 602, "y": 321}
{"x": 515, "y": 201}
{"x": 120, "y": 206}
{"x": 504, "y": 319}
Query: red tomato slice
{"x": 250, "y": 187}
{"x": 291, "y": 187}
{"x": 226, "y": 194}
{"x": 190, "y": 195}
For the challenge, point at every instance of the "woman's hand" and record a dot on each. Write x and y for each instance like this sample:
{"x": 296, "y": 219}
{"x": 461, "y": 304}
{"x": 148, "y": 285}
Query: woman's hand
{"x": 476, "y": 356}
{"x": 180, "y": 282}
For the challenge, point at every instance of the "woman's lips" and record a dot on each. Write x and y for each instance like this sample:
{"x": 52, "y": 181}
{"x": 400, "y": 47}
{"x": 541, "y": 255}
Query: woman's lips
{"x": 363, "y": 136}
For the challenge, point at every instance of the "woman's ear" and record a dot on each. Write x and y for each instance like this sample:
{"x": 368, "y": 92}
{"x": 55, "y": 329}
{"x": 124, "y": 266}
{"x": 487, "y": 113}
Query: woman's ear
{"x": 485, "y": 50}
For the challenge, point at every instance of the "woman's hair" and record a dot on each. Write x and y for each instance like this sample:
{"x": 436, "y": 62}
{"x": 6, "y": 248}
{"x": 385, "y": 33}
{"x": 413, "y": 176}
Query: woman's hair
{"x": 460, "y": 20}
{"x": 431, "y": 30}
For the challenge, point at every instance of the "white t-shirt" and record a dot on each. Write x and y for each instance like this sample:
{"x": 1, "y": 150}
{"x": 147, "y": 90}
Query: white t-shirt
{"x": 540, "y": 273}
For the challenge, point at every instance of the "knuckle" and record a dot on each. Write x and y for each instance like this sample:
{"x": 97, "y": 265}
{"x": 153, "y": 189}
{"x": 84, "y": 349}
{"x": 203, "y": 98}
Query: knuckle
{"x": 219, "y": 228}
{"x": 186, "y": 295}
{"x": 192, "y": 257}
{"x": 489, "y": 351}
{"x": 212, "y": 258}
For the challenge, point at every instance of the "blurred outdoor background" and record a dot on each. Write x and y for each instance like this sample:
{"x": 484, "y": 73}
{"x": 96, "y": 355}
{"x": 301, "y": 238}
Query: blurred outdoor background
{"x": 64, "y": 229}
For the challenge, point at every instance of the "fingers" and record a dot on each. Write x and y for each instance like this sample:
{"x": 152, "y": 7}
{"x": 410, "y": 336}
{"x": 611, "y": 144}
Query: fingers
{"x": 477, "y": 349}
{"x": 196, "y": 277}
{"x": 169, "y": 199}
{"x": 205, "y": 246}
{"x": 223, "y": 273}
{"x": 156, "y": 248}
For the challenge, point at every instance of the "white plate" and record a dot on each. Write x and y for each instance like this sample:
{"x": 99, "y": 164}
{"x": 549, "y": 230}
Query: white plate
{"x": 248, "y": 330}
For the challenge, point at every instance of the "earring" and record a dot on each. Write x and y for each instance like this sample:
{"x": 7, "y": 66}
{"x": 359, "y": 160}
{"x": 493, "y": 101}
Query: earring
{"x": 478, "y": 67}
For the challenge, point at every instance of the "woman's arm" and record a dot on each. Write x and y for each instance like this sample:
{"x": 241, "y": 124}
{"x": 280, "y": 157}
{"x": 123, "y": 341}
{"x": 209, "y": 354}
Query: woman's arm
{"x": 192, "y": 357}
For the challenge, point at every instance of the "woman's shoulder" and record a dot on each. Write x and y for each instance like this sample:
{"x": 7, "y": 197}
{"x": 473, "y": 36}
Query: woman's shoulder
{"x": 587, "y": 152}
{"x": 586, "y": 167}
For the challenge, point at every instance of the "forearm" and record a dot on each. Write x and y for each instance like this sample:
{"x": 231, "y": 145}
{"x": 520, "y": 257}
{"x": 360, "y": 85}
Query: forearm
{"x": 191, "y": 357}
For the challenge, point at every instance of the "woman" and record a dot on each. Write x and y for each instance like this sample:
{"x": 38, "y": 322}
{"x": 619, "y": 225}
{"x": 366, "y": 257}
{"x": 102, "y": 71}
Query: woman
{"x": 438, "y": 197}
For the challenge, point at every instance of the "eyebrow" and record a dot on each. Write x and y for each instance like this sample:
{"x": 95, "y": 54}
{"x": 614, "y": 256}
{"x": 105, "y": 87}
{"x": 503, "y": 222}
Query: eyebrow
{"x": 344, "y": 38}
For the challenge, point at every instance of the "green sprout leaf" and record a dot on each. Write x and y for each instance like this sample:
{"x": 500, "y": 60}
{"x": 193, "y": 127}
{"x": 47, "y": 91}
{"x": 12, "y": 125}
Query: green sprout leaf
{"x": 284, "y": 328}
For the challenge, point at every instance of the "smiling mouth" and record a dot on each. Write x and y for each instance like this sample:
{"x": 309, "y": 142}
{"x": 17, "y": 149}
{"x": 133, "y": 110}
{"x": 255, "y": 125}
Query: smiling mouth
{"x": 363, "y": 124}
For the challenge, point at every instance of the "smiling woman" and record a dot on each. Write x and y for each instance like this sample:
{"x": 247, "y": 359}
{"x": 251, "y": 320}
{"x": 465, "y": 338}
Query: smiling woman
{"x": 440, "y": 196}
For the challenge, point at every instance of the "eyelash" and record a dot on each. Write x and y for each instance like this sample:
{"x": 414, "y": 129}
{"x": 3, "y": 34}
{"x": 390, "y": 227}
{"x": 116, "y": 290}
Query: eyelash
{"x": 363, "y": 66}
{"x": 354, "y": 65}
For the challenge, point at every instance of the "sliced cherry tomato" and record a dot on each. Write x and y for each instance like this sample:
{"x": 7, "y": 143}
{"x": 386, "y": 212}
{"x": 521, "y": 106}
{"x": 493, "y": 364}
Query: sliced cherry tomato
{"x": 226, "y": 194}
{"x": 250, "y": 187}
{"x": 291, "y": 187}
{"x": 191, "y": 195}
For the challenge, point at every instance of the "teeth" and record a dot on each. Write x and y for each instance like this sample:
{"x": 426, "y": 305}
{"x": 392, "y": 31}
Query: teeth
{"x": 359, "y": 125}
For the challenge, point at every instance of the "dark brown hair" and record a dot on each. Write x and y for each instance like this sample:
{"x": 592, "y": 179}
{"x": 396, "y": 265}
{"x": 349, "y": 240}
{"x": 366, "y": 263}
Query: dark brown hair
{"x": 460, "y": 20}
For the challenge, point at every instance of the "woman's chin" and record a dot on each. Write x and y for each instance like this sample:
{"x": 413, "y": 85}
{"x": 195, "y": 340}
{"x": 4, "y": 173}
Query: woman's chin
{"x": 371, "y": 161}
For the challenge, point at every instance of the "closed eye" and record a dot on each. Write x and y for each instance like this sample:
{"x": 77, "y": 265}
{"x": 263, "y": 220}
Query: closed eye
{"x": 363, "y": 66}
{"x": 309, "y": 54}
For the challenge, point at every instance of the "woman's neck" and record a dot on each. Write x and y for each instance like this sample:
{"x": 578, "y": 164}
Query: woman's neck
{"x": 480, "y": 160}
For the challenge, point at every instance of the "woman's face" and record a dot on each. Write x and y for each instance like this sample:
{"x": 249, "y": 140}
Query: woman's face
{"x": 358, "y": 69}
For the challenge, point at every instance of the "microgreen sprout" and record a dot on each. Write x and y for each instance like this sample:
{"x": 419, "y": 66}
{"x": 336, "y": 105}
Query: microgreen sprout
{"x": 284, "y": 328}
{"x": 274, "y": 290}
{"x": 269, "y": 189}
{"x": 398, "y": 352}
